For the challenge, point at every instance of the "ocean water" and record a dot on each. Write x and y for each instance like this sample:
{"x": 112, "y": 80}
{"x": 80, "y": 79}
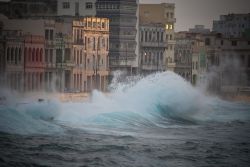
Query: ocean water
{"x": 159, "y": 120}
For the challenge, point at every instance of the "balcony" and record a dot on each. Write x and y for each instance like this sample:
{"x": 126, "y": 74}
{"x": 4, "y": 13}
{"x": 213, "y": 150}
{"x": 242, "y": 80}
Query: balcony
{"x": 154, "y": 44}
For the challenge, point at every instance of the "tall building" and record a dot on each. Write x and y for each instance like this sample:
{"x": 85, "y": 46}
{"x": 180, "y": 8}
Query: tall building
{"x": 29, "y": 8}
{"x": 90, "y": 52}
{"x": 156, "y": 22}
{"x": 123, "y": 20}
{"x": 76, "y": 8}
{"x": 233, "y": 25}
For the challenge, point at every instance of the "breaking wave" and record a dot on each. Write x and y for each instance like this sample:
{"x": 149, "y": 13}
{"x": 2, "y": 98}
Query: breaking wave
{"x": 159, "y": 100}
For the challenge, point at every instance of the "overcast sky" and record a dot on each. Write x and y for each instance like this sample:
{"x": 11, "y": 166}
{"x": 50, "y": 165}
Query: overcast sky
{"x": 192, "y": 12}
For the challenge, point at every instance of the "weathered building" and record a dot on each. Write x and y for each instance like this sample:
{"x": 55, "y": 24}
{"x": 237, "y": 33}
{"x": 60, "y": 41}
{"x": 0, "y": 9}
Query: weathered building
{"x": 90, "y": 51}
{"x": 228, "y": 63}
{"x": 123, "y": 20}
{"x": 30, "y": 8}
{"x": 233, "y": 25}
{"x": 190, "y": 57}
{"x": 160, "y": 20}
{"x": 152, "y": 48}
{"x": 76, "y": 8}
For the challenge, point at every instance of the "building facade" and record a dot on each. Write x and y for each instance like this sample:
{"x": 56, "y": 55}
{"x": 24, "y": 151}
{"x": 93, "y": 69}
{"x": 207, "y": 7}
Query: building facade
{"x": 76, "y": 8}
{"x": 90, "y": 51}
{"x": 122, "y": 15}
{"x": 228, "y": 62}
{"x": 29, "y": 8}
{"x": 233, "y": 25}
{"x": 199, "y": 29}
{"x": 159, "y": 20}
{"x": 152, "y": 48}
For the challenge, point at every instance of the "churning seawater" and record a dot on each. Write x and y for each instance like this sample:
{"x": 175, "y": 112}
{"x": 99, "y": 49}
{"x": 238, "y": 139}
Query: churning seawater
{"x": 159, "y": 120}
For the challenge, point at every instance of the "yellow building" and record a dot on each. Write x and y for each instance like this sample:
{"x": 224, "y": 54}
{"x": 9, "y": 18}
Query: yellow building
{"x": 90, "y": 54}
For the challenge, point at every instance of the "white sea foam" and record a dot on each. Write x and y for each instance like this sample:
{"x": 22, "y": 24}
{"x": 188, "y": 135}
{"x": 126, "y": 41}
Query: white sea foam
{"x": 158, "y": 100}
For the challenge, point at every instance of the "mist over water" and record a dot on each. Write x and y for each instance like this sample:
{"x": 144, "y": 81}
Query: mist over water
{"x": 150, "y": 121}
{"x": 159, "y": 100}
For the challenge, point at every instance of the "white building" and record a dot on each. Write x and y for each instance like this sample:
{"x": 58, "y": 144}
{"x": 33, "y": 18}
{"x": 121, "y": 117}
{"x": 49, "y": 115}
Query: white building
{"x": 76, "y": 7}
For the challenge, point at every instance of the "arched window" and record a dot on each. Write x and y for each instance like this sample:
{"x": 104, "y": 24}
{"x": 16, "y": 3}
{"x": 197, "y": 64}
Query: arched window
{"x": 25, "y": 55}
{"x": 41, "y": 55}
{"x": 30, "y": 55}
{"x": 33, "y": 54}
{"x": 16, "y": 55}
{"x": 12, "y": 54}
{"x": 8, "y": 54}
{"x": 19, "y": 55}
{"x": 37, "y": 55}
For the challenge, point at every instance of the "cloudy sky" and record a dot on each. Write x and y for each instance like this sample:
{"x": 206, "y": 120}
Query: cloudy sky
{"x": 191, "y": 12}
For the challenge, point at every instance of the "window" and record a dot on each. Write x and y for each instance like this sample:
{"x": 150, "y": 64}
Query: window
{"x": 66, "y": 5}
{"x": 51, "y": 34}
{"x": 249, "y": 61}
{"x": 170, "y": 37}
{"x": 207, "y": 41}
{"x": 51, "y": 55}
{"x": 88, "y": 5}
{"x": 171, "y": 15}
{"x": 234, "y": 43}
{"x": 46, "y": 55}
{"x": 46, "y": 34}
{"x": 103, "y": 25}
{"x": 221, "y": 42}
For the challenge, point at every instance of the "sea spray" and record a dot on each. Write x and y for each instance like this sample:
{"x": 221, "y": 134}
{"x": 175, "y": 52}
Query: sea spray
{"x": 158, "y": 100}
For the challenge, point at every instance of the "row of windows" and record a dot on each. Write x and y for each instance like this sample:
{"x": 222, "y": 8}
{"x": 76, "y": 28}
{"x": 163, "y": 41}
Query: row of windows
{"x": 233, "y": 42}
{"x": 82, "y": 60}
{"x": 169, "y": 26}
{"x": 66, "y": 5}
{"x": 14, "y": 56}
{"x": 153, "y": 36}
{"x": 149, "y": 58}
{"x": 107, "y": 6}
{"x": 49, "y": 34}
{"x": 170, "y": 15}
{"x": 86, "y": 86}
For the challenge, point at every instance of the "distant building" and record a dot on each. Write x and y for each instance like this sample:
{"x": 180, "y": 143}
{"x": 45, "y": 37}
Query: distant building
{"x": 233, "y": 25}
{"x": 190, "y": 57}
{"x": 199, "y": 29}
{"x": 228, "y": 63}
{"x": 152, "y": 48}
{"x": 90, "y": 52}
{"x": 29, "y": 8}
{"x": 123, "y": 20}
{"x": 183, "y": 55}
{"x": 76, "y": 8}
{"x": 35, "y": 55}
{"x": 157, "y": 37}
